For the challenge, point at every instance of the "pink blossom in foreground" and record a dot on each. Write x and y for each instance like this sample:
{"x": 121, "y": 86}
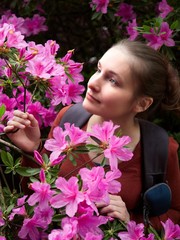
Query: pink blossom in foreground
{"x": 43, "y": 192}
{"x": 12, "y": 19}
{"x": 94, "y": 184}
{"x": 30, "y": 228}
{"x": 131, "y": 30}
{"x": 135, "y": 232}
{"x": 10, "y": 38}
{"x": 69, "y": 197}
{"x": 117, "y": 150}
{"x": 38, "y": 158}
{"x": 57, "y": 144}
{"x": 65, "y": 92}
{"x": 125, "y": 11}
{"x": 45, "y": 214}
{"x": 101, "y": 5}
{"x": 17, "y": 211}
{"x": 162, "y": 37}
{"x": 171, "y": 230}
{"x": 114, "y": 186}
{"x": 88, "y": 222}
{"x": 75, "y": 134}
{"x": 104, "y": 132}
{"x": 2, "y": 238}
{"x": 69, "y": 230}
{"x": 164, "y": 8}
{"x": 90, "y": 236}
{"x": 62, "y": 141}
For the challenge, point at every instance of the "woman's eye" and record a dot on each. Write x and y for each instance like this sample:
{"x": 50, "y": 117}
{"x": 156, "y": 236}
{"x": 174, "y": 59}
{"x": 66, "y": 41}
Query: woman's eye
{"x": 114, "y": 82}
{"x": 98, "y": 70}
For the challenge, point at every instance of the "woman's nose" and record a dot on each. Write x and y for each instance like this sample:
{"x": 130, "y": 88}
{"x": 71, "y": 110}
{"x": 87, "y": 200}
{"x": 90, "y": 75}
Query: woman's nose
{"x": 95, "y": 82}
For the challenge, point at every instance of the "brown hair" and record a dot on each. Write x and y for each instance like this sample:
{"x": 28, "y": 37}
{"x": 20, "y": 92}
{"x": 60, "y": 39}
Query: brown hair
{"x": 156, "y": 77}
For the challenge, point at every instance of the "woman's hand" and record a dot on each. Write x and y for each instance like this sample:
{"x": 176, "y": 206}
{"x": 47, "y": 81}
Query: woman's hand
{"x": 23, "y": 130}
{"x": 116, "y": 208}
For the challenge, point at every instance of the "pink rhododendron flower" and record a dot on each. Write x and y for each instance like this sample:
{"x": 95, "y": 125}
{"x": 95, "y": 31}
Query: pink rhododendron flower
{"x": 164, "y": 8}
{"x": 94, "y": 184}
{"x": 57, "y": 144}
{"x": 156, "y": 40}
{"x": 42, "y": 195}
{"x": 117, "y": 150}
{"x": 171, "y": 230}
{"x": 114, "y": 186}
{"x": 76, "y": 135}
{"x": 131, "y": 29}
{"x": 125, "y": 11}
{"x": 30, "y": 228}
{"x": 104, "y": 132}
{"x": 2, "y": 238}
{"x": 17, "y": 211}
{"x": 45, "y": 214}
{"x": 35, "y": 25}
{"x": 88, "y": 222}
{"x": 37, "y": 110}
{"x": 38, "y": 158}
{"x": 101, "y": 5}
{"x": 15, "y": 39}
{"x": 134, "y": 231}
{"x": 52, "y": 47}
{"x": 90, "y": 236}
{"x": 12, "y": 19}
{"x": 69, "y": 197}
{"x": 65, "y": 92}
{"x": 21, "y": 210}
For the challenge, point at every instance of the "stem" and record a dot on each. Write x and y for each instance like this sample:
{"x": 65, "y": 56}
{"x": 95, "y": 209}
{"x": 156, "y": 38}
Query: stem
{"x": 18, "y": 77}
{"x": 82, "y": 165}
{"x": 2, "y": 201}
{"x": 16, "y": 149}
{"x": 4, "y": 179}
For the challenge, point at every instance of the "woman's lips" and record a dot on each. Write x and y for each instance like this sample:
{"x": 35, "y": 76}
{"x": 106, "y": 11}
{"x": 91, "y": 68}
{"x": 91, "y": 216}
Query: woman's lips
{"x": 91, "y": 98}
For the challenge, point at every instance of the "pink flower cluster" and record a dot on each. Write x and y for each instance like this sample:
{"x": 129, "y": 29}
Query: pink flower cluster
{"x": 111, "y": 146}
{"x": 27, "y": 26}
{"x": 35, "y": 63}
{"x": 136, "y": 231}
{"x": 157, "y": 37}
{"x": 82, "y": 217}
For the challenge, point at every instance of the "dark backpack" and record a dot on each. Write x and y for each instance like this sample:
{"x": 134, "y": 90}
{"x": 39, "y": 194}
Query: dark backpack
{"x": 154, "y": 140}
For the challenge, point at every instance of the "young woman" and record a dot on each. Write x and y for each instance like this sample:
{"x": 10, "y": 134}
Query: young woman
{"x": 131, "y": 79}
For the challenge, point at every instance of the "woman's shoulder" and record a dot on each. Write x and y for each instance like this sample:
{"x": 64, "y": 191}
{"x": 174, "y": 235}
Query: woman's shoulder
{"x": 60, "y": 114}
{"x": 173, "y": 149}
{"x": 173, "y": 144}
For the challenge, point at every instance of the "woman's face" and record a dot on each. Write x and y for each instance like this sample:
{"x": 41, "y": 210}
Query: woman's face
{"x": 111, "y": 90}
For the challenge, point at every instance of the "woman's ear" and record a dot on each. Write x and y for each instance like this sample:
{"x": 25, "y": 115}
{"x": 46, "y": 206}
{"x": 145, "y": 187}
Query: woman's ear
{"x": 143, "y": 103}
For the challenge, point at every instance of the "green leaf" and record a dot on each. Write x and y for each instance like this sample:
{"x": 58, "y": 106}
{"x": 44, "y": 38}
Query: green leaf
{"x": 7, "y": 159}
{"x": 146, "y": 28}
{"x": 175, "y": 25}
{"x": 58, "y": 217}
{"x": 72, "y": 159}
{"x": 2, "y": 110}
{"x": 27, "y": 172}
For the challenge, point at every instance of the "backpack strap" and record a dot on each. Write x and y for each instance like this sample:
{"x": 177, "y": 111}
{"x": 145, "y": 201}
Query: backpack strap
{"x": 76, "y": 115}
{"x": 154, "y": 141}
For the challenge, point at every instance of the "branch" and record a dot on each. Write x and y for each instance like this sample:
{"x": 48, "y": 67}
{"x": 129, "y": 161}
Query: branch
{"x": 16, "y": 149}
